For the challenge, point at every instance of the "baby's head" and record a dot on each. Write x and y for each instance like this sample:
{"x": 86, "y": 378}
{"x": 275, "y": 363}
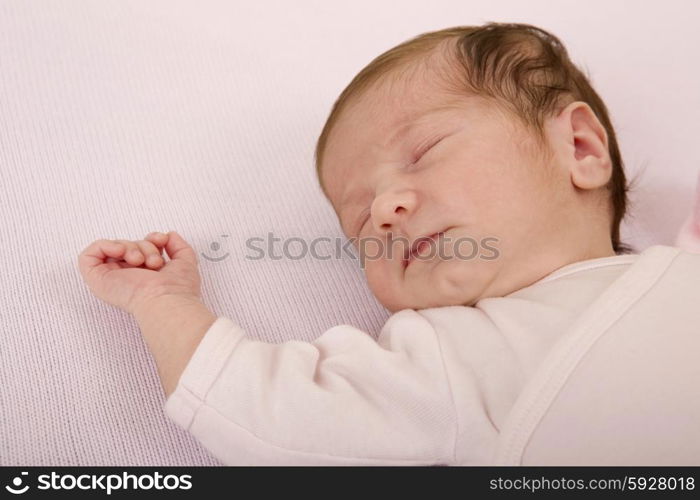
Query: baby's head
{"x": 487, "y": 136}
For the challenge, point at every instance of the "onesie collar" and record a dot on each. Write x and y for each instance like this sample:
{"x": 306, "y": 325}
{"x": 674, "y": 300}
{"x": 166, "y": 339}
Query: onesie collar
{"x": 585, "y": 265}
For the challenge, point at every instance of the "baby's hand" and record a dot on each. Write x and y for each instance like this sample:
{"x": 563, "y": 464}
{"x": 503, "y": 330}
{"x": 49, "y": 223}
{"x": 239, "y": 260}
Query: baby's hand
{"x": 129, "y": 274}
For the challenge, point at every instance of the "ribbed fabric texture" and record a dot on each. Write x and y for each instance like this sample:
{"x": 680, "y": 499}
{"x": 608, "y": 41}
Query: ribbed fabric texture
{"x": 117, "y": 119}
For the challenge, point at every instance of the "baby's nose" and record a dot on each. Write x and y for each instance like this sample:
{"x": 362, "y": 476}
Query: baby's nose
{"x": 390, "y": 210}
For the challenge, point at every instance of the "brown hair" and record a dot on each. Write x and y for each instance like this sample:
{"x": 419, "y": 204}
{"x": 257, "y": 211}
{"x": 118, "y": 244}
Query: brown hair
{"x": 523, "y": 69}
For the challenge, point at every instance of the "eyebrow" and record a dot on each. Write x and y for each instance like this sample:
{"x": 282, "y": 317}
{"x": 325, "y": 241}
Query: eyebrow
{"x": 405, "y": 128}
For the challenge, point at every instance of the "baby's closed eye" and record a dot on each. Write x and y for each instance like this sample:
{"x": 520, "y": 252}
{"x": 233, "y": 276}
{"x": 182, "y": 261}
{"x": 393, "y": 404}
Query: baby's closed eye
{"x": 425, "y": 147}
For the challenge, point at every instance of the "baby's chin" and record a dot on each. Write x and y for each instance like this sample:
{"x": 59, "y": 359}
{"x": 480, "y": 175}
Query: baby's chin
{"x": 437, "y": 290}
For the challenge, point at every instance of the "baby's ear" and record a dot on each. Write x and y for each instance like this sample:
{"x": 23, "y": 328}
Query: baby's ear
{"x": 588, "y": 156}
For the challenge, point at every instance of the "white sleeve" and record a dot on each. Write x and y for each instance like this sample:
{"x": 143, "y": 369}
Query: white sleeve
{"x": 344, "y": 399}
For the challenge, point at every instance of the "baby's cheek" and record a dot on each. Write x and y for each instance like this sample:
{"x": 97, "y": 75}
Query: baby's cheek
{"x": 381, "y": 283}
{"x": 373, "y": 273}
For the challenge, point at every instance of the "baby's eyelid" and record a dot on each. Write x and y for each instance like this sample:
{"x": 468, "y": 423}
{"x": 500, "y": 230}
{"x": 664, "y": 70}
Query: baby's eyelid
{"x": 423, "y": 149}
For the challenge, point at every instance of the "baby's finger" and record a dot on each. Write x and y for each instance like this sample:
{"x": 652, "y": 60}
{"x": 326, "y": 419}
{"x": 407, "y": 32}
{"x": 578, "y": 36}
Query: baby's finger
{"x": 96, "y": 253}
{"x": 178, "y": 249}
{"x": 133, "y": 254}
{"x": 158, "y": 239}
{"x": 151, "y": 254}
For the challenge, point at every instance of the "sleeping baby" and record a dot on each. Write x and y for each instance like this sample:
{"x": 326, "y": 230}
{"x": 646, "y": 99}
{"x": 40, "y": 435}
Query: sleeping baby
{"x": 478, "y": 175}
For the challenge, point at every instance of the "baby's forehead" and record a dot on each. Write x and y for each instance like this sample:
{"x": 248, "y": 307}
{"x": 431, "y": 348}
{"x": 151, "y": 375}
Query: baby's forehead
{"x": 383, "y": 118}
{"x": 411, "y": 87}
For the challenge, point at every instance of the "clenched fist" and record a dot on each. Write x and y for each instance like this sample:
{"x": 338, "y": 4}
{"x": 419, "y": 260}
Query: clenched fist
{"x": 129, "y": 274}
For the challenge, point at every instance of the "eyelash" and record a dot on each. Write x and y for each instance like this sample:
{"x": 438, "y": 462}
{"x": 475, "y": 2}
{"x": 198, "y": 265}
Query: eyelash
{"x": 423, "y": 150}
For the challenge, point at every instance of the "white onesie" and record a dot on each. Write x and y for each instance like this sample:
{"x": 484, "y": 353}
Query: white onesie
{"x": 437, "y": 387}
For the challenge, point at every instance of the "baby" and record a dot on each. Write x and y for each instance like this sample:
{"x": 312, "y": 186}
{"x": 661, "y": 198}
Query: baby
{"x": 486, "y": 135}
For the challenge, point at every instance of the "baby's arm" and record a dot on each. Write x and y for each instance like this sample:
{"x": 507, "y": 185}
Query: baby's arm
{"x": 172, "y": 328}
{"x": 343, "y": 399}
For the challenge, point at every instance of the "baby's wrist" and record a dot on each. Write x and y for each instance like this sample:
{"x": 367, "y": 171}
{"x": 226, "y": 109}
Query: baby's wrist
{"x": 173, "y": 326}
{"x": 157, "y": 305}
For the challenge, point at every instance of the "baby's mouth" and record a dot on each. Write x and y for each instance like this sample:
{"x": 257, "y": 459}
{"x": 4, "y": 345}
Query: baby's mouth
{"x": 420, "y": 247}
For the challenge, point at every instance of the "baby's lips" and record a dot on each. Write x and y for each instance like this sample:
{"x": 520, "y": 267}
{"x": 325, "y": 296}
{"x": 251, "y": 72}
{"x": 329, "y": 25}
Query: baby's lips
{"x": 422, "y": 245}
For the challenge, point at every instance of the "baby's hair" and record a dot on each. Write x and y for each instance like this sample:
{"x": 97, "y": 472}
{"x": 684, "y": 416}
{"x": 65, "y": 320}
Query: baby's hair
{"x": 522, "y": 69}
